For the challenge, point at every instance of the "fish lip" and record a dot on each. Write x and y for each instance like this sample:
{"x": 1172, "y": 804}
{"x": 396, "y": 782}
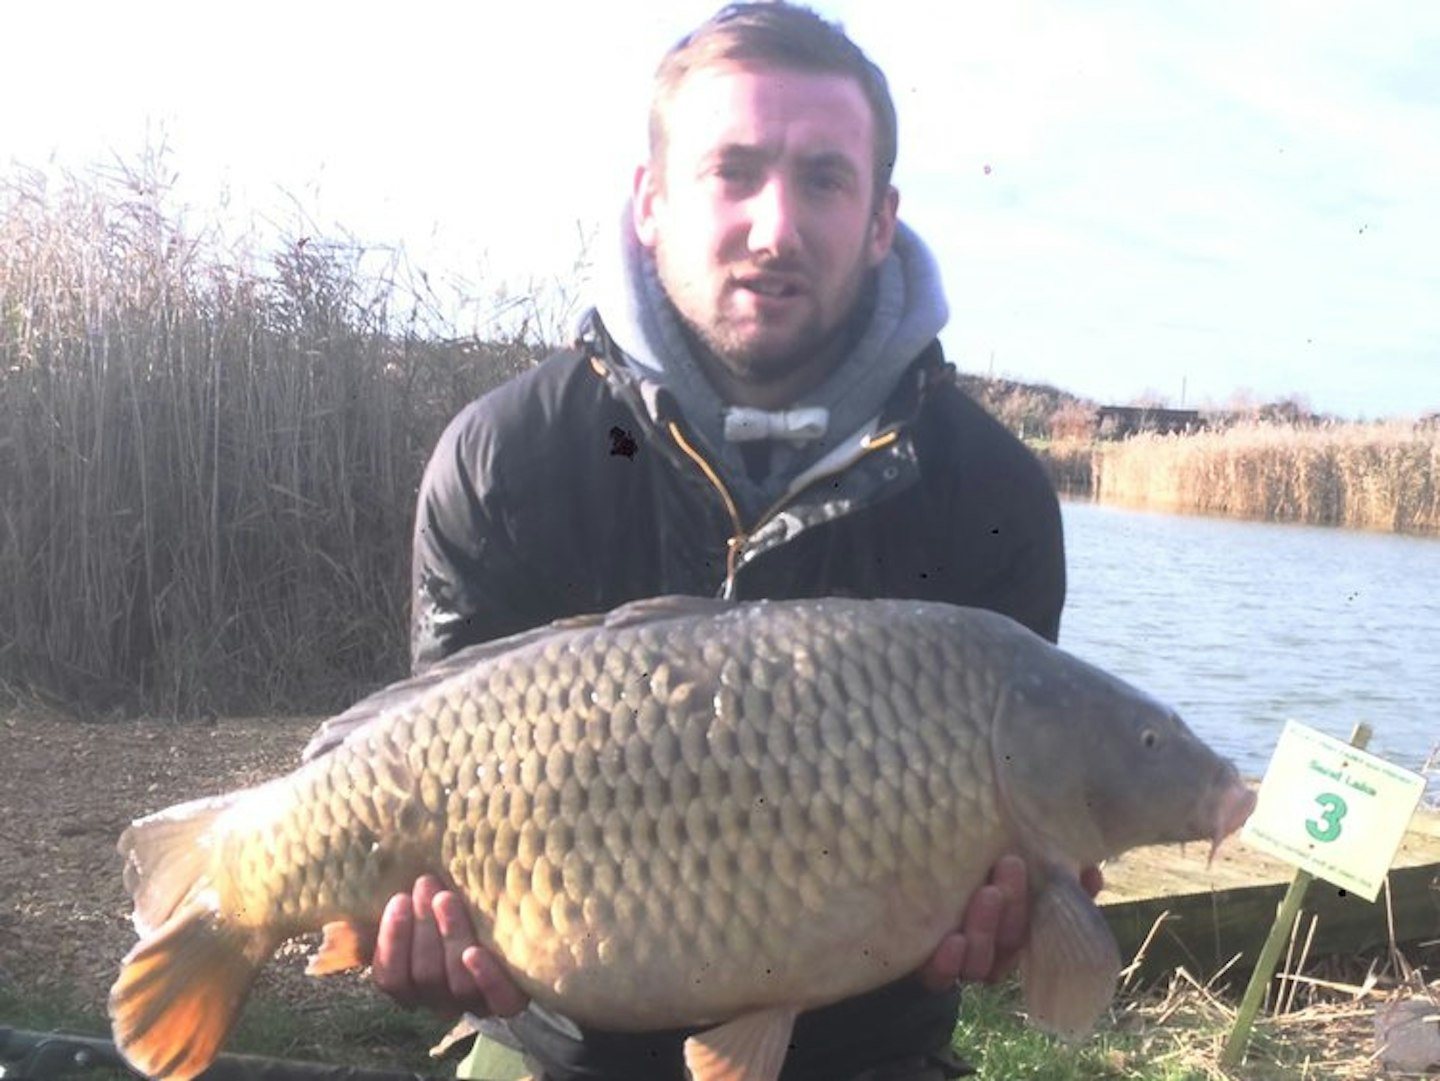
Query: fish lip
{"x": 1231, "y": 812}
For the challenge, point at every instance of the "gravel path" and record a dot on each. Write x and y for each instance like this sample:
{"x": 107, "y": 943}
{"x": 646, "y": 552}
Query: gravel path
{"x": 67, "y": 790}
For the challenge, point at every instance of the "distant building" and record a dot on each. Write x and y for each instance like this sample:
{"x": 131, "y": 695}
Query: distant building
{"x": 1119, "y": 421}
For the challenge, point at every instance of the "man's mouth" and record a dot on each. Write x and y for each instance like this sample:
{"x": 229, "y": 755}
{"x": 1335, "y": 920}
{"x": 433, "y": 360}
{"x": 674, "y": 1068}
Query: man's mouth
{"x": 770, "y": 285}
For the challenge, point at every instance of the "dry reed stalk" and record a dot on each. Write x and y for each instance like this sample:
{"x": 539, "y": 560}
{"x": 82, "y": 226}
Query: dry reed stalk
{"x": 206, "y": 469}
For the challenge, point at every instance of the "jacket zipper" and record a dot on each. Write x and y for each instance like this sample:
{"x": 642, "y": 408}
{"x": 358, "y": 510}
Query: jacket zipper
{"x": 741, "y": 536}
{"x": 737, "y": 540}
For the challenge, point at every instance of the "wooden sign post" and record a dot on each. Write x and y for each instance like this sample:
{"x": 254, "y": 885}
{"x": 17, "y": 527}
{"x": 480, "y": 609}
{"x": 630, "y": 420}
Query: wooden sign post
{"x": 1336, "y": 813}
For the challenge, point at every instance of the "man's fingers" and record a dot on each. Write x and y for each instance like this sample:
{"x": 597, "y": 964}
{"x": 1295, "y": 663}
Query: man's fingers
{"x": 478, "y": 981}
{"x": 940, "y": 972}
{"x": 1012, "y": 879}
{"x": 456, "y": 936}
{"x": 502, "y": 996}
{"x": 391, "y": 964}
{"x": 427, "y": 952}
{"x": 983, "y": 919}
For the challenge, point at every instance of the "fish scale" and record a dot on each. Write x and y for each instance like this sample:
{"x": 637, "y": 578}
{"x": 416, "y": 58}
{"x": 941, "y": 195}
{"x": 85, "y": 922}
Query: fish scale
{"x": 684, "y": 813}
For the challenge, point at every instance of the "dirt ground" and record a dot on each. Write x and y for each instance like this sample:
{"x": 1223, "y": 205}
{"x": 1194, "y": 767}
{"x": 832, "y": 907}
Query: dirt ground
{"x": 67, "y": 790}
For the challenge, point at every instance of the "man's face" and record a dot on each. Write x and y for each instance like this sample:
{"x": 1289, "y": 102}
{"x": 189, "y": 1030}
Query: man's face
{"x": 763, "y": 215}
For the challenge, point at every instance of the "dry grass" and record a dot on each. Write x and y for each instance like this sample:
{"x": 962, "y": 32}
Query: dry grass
{"x": 1318, "y": 1020}
{"x": 1071, "y": 465}
{"x": 1176, "y": 1030}
{"x": 1369, "y": 476}
{"x": 1323, "y": 1028}
{"x": 207, "y": 462}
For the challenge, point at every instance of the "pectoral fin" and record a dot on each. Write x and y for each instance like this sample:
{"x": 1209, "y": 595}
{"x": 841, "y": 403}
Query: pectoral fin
{"x": 1071, "y": 964}
{"x": 750, "y": 1048}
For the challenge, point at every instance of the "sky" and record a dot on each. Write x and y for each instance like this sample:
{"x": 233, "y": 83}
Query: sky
{"x": 1189, "y": 203}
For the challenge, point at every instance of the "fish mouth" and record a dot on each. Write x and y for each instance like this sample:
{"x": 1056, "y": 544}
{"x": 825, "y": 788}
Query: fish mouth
{"x": 1231, "y": 812}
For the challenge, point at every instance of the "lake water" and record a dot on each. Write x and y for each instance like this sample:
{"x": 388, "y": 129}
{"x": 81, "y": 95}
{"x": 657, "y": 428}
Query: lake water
{"x": 1244, "y": 625}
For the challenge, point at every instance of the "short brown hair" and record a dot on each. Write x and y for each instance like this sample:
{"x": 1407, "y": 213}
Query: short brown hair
{"x": 774, "y": 33}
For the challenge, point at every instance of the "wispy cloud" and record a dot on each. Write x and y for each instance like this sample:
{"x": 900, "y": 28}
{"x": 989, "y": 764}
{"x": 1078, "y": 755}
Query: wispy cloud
{"x": 1216, "y": 197}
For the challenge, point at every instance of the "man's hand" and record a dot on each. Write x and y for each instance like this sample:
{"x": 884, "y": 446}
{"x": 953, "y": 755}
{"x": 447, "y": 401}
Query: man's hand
{"x": 993, "y": 931}
{"x": 426, "y": 954}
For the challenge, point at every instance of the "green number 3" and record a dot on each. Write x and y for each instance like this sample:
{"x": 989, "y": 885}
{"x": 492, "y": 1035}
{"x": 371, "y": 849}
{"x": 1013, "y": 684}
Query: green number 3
{"x": 1328, "y": 828}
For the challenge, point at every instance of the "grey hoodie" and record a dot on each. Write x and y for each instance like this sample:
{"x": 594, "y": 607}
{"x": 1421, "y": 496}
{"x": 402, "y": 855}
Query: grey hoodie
{"x": 907, "y": 312}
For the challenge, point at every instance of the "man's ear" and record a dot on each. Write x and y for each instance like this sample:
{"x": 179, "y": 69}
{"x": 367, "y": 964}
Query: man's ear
{"x": 882, "y": 225}
{"x": 645, "y": 193}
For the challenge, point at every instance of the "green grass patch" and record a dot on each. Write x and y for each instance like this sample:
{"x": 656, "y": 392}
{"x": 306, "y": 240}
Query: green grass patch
{"x": 1175, "y": 1036}
{"x": 1171, "y": 1036}
{"x": 992, "y": 1035}
{"x": 363, "y": 1032}
{"x": 49, "y": 1012}
{"x": 356, "y": 1032}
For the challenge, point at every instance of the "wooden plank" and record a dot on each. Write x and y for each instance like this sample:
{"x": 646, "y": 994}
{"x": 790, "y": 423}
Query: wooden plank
{"x": 1203, "y": 931}
{"x": 1216, "y": 910}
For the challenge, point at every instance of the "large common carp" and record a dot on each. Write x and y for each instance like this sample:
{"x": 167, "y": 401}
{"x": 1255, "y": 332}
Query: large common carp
{"x": 685, "y": 813}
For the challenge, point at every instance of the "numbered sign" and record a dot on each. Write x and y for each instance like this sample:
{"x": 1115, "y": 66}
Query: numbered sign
{"x": 1335, "y": 811}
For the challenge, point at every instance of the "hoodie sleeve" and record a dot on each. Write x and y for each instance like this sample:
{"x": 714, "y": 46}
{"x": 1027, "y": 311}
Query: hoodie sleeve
{"x": 466, "y": 576}
{"x": 1038, "y": 567}
{"x": 1001, "y": 520}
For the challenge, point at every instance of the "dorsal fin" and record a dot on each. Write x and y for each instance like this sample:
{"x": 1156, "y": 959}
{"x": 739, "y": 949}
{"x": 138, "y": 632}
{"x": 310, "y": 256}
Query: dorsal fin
{"x": 669, "y": 606}
{"x": 337, "y": 729}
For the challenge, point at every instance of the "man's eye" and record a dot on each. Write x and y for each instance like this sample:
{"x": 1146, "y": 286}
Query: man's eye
{"x": 826, "y": 182}
{"x": 735, "y": 174}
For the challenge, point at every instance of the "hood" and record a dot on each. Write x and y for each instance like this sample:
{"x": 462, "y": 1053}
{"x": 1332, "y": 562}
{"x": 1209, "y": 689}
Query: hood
{"x": 907, "y": 312}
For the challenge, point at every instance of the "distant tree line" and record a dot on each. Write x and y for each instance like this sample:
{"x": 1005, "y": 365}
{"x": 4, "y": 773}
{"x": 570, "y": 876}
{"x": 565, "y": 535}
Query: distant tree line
{"x": 1277, "y": 460}
{"x": 1042, "y": 413}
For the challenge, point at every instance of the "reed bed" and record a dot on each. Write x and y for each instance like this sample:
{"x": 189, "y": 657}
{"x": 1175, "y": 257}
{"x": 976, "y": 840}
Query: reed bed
{"x": 207, "y": 461}
{"x": 1070, "y": 463}
{"x": 1381, "y": 476}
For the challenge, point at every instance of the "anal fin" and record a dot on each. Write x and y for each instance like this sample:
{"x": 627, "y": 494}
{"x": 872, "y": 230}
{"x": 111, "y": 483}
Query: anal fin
{"x": 345, "y": 946}
{"x": 752, "y": 1047}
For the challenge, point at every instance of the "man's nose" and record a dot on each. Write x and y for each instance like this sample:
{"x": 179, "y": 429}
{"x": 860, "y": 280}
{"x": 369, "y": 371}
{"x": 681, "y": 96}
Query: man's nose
{"x": 773, "y": 218}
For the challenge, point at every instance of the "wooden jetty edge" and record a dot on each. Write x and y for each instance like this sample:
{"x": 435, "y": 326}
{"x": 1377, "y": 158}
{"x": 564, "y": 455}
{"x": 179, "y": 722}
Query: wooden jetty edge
{"x": 1212, "y": 913}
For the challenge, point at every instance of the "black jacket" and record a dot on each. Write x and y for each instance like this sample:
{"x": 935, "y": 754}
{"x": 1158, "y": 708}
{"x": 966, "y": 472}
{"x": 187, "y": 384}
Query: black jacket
{"x": 571, "y": 489}
{"x": 558, "y": 493}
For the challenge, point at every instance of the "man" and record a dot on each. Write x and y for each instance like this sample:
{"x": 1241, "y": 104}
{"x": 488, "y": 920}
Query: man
{"x": 758, "y": 407}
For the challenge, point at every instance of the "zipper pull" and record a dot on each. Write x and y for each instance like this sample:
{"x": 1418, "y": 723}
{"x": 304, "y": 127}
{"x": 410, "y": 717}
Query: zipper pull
{"x": 732, "y": 558}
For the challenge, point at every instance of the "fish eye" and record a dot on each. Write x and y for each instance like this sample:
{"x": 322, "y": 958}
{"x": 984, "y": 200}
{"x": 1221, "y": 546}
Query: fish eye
{"x": 1149, "y": 738}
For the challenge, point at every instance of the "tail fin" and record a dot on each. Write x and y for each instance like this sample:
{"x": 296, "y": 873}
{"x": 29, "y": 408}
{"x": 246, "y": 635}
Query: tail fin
{"x": 168, "y": 858}
{"x": 180, "y": 990}
{"x": 182, "y": 986}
